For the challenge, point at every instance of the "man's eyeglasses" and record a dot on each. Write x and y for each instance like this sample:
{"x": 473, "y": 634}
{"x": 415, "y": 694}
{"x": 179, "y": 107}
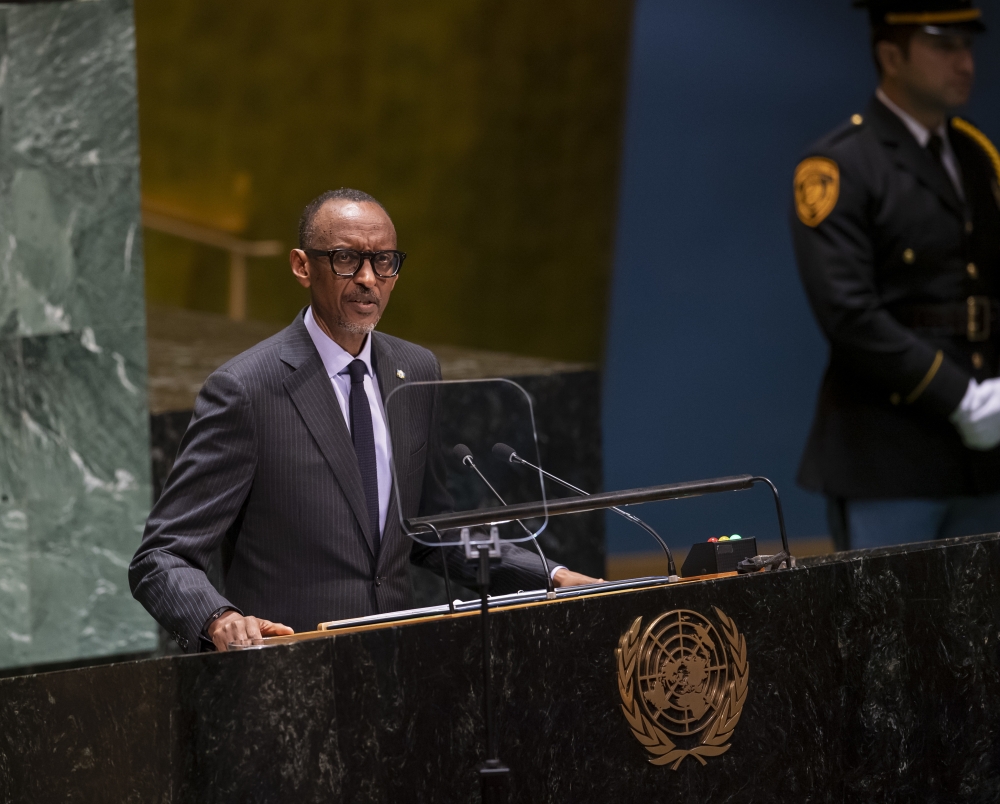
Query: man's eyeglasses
{"x": 347, "y": 261}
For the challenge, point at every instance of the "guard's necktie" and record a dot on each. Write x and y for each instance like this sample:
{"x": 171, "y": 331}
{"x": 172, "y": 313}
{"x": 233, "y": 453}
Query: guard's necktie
{"x": 935, "y": 145}
{"x": 363, "y": 436}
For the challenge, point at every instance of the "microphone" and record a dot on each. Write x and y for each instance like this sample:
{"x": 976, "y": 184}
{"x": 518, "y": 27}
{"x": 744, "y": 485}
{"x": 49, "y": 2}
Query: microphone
{"x": 464, "y": 454}
{"x": 507, "y": 454}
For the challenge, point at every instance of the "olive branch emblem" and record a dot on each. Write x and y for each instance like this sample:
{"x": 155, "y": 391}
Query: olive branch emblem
{"x": 715, "y": 737}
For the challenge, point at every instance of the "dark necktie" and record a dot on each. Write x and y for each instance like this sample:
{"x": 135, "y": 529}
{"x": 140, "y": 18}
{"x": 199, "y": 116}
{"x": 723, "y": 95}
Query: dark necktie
{"x": 935, "y": 145}
{"x": 363, "y": 436}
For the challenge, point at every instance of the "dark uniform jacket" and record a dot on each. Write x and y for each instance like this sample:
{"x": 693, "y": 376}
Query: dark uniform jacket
{"x": 267, "y": 471}
{"x": 903, "y": 276}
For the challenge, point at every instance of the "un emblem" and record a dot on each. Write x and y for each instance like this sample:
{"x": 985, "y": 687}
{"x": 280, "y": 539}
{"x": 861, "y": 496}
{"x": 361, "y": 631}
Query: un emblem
{"x": 683, "y": 684}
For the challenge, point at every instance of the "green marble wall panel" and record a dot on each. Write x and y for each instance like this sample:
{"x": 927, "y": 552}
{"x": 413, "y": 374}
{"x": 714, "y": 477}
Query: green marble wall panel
{"x": 74, "y": 444}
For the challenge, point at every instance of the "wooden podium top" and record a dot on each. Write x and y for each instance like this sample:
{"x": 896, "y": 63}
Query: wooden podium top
{"x": 471, "y": 608}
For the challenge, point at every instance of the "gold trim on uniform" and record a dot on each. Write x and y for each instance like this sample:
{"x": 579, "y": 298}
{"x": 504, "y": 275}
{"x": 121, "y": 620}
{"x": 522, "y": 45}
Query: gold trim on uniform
{"x": 991, "y": 151}
{"x": 934, "y": 17}
{"x": 817, "y": 188}
{"x": 981, "y": 140}
{"x": 915, "y": 394}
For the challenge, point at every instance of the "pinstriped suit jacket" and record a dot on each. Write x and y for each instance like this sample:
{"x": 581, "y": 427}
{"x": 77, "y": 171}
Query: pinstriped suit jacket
{"x": 267, "y": 471}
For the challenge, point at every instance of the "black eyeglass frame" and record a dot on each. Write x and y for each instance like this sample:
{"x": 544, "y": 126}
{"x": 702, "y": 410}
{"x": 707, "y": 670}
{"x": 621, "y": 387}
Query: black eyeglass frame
{"x": 363, "y": 255}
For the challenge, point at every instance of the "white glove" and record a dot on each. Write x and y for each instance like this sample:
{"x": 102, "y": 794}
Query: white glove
{"x": 977, "y": 416}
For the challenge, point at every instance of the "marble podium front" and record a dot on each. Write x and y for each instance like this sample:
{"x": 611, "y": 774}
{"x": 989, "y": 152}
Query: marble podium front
{"x": 873, "y": 676}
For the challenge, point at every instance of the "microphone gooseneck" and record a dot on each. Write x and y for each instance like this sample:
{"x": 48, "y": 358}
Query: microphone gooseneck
{"x": 465, "y": 455}
{"x": 507, "y": 454}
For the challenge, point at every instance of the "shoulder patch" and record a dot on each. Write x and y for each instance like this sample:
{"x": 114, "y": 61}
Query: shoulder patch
{"x": 980, "y": 139}
{"x": 817, "y": 188}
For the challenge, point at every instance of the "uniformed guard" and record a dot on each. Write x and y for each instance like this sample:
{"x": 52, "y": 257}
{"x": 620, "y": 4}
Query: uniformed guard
{"x": 896, "y": 226}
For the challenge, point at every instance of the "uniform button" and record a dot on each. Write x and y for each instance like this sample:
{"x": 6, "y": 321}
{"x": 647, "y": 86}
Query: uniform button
{"x": 895, "y": 399}
{"x": 857, "y": 119}
{"x": 977, "y": 360}
{"x": 968, "y": 227}
{"x": 909, "y": 256}
{"x": 972, "y": 271}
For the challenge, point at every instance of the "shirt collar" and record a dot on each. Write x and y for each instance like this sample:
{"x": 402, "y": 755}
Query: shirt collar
{"x": 920, "y": 132}
{"x": 335, "y": 358}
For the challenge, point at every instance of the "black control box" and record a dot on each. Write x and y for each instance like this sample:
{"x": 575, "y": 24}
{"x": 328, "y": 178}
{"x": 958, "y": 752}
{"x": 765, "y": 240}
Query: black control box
{"x": 711, "y": 558}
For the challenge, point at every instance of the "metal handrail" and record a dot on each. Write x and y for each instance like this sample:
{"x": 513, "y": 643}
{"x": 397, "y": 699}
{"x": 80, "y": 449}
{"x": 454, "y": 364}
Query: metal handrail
{"x": 238, "y": 249}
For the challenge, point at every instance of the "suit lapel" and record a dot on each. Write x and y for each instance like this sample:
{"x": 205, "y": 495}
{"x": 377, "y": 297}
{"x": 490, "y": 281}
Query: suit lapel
{"x": 313, "y": 396}
{"x": 387, "y": 365}
{"x": 385, "y": 361}
{"x": 907, "y": 154}
{"x": 391, "y": 527}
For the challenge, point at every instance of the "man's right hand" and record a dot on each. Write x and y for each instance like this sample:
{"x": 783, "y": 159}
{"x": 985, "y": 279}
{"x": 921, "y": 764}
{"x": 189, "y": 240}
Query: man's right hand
{"x": 978, "y": 415}
{"x": 234, "y": 627}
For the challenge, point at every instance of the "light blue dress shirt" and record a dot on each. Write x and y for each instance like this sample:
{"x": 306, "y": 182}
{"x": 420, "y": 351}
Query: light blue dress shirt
{"x": 335, "y": 360}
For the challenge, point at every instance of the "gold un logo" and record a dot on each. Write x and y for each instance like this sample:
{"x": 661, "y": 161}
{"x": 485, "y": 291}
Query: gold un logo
{"x": 682, "y": 681}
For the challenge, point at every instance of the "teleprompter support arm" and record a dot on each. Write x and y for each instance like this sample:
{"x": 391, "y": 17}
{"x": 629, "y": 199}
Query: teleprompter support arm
{"x": 576, "y": 505}
{"x": 597, "y": 502}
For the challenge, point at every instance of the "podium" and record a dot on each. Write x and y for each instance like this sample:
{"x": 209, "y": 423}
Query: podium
{"x": 864, "y": 676}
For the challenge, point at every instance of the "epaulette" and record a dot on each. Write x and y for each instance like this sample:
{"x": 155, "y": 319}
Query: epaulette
{"x": 855, "y": 124}
{"x": 980, "y": 139}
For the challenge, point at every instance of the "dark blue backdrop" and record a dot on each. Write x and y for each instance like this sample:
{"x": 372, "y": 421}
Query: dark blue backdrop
{"x": 713, "y": 358}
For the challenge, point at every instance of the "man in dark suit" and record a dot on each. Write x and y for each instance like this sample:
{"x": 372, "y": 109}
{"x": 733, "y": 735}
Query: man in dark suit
{"x": 897, "y": 233}
{"x": 286, "y": 465}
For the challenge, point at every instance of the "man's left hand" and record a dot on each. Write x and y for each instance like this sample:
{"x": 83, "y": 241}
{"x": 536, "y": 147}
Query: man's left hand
{"x": 565, "y": 577}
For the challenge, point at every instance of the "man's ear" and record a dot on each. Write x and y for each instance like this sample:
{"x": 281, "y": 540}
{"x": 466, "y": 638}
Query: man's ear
{"x": 890, "y": 56}
{"x": 299, "y": 263}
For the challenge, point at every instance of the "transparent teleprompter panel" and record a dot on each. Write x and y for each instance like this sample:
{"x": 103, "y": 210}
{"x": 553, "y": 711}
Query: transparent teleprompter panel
{"x": 443, "y": 437}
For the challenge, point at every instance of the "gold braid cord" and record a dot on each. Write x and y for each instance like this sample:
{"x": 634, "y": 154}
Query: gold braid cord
{"x": 715, "y": 738}
{"x": 981, "y": 140}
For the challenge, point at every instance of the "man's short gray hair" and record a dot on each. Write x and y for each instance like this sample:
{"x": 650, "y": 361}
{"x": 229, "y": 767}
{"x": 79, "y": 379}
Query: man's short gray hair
{"x": 308, "y": 218}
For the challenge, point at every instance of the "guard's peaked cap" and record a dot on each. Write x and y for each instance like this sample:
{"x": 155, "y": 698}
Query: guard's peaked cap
{"x": 933, "y": 13}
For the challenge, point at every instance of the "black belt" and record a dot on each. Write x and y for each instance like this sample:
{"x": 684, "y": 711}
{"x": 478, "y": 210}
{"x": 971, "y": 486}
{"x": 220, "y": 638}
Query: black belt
{"x": 972, "y": 319}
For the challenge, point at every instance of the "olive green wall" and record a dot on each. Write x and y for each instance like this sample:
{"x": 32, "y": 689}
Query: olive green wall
{"x": 490, "y": 130}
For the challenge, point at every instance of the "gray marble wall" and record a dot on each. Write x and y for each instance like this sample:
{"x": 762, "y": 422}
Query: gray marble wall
{"x": 74, "y": 443}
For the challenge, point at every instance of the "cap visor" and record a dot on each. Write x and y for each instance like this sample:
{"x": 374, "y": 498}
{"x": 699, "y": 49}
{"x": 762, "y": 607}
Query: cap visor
{"x": 961, "y": 29}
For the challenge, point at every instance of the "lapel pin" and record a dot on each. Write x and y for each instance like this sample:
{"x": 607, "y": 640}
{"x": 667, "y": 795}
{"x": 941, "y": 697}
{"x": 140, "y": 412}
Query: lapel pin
{"x": 401, "y": 374}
